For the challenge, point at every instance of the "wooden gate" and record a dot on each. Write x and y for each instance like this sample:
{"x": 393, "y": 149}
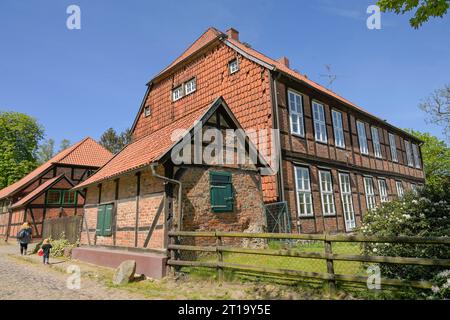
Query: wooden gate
{"x": 69, "y": 226}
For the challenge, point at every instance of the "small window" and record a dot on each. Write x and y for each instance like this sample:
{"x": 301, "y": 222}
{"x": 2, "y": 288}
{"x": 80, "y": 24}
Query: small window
{"x": 416, "y": 154}
{"x": 303, "y": 187}
{"x": 326, "y": 190}
{"x": 69, "y": 197}
{"x": 347, "y": 201}
{"x": 370, "y": 194}
{"x": 362, "y": 138}
{"x": 104, "y": 220}
{"x": 221, "y": 192}
{"x": 320, "y": 127}
{"x": 393, "y": 146}
{"x": 400, "y": 191}
{"x": 296, "y": 113}
{"x": 177, "y": 93}
{"x": 233, "y": 66}
{"x": 190, "y": 86}
{"x": 147, "y": 111}
{"x": 409, "y": 156}
{"x": 376, "y": 142}
{"x": 414, "y": 188}
{"x": 382, "y": 186}
{"x": 338, "y": 129}
{"x": 53, "y": 197}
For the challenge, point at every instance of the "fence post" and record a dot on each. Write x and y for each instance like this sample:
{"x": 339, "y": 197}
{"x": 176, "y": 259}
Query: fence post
{"x": 219, "y": 258}
{"x": 330, "y": 265}
{"x": 172, "y": 255}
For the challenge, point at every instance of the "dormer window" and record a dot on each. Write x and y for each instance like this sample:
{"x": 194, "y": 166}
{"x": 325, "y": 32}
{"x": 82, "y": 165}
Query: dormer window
{"x": 177, "y": 93}
{"x": 147, "y": 111}
{"x": 190, "y": 86}
{"x": 233, "y": 66}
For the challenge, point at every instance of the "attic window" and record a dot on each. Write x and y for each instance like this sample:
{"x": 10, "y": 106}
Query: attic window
{"x": 190, "y": 86}
{"x": 147, "y": 111}
{"x": 233, "y": 66}
{"x": 177, "y": 93}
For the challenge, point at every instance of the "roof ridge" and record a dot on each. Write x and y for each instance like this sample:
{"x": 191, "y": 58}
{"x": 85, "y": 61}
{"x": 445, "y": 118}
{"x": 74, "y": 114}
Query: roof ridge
{"x": 71, "y": 149}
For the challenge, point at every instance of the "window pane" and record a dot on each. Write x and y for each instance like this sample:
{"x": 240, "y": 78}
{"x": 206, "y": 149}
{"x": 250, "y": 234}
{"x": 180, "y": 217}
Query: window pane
{"x": 393, "y": 147}
{"x": 54, "y": 197}
{"x": 376, "y": 142}
{"x": 319, "y": 122}
{"x": 296, "y": 113}
{"x": 362, "y": 137}
{"x": 416, "y": 156}
{"x": 304, "y": 199}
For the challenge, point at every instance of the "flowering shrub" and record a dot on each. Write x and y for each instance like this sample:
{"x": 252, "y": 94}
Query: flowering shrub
{"x": 425, "y": 214}
{"x": 441, "y": 287}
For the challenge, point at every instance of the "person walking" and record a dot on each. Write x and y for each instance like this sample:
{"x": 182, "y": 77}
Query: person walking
{"x": 24, "y": 237}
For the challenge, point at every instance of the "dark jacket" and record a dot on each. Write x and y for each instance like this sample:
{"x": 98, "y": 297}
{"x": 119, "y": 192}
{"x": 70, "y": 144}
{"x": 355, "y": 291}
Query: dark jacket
{"x": 46, "y": 248}
{"x": 24, "y": 235}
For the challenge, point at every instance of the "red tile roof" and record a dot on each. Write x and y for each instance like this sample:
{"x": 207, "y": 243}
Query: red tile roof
{"x": 36, "y": 192}
{"x": 87, "y": 152}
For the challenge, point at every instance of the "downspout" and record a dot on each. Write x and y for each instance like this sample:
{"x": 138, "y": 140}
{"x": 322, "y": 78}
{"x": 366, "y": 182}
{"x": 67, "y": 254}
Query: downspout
{"x": 180, "y": 189}
{"x": 277, "y": 122}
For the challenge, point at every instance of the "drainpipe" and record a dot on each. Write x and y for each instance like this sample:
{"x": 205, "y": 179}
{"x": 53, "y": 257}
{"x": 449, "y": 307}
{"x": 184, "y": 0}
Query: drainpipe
{"x": 180, "y": 189}
{"x": 277, "y": 121}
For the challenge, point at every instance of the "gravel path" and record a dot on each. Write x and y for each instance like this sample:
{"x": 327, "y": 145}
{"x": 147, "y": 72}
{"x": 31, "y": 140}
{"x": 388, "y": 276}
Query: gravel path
{"x": 27, "y": 281}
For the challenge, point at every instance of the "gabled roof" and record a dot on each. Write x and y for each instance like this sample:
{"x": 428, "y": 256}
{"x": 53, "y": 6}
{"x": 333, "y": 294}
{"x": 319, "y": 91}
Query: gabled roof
{"x": 38, "y": 191}
{"x": 87, "y": 153}
{"x": 213, "y": 34}
{"x": 155, "y": 146}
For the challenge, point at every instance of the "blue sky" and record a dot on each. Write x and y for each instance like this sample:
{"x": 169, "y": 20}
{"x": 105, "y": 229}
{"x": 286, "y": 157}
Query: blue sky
{"x": 80, "y": 82}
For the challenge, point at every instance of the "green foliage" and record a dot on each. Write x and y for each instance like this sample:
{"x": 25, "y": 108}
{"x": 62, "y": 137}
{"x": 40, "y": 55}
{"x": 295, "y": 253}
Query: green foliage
{"x": 46, "y": 151}
{"x": 426, "y": 214}
{"x": 19, "y": 137}
{"x": 424, "y": 9}
{"x": 436, "y": 158}
{"x": 115, "y": 142}
{"x": 437, "y": 109}
{"x": 58, "y": 246}
{"x": 65, "y": 143}
{"x": 441, "y": 287}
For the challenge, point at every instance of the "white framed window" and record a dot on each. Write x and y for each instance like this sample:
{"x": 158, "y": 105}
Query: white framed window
{"x": 177, "y": 93}
{"x": 409, "y": 156}
{"x": 362, "y": 138}
{"x": 233, "y": 66}
{"x": 190, "y": 86}
{"x": 303, "y": 187}
{"x": 320, "y": 127}
{"x": 382, "y": 187}
{"x": 400, "y": 191}
{"x": 147, "y": 111}
{"x": 296, "y": 113}
{"x": 326, "y": 191}
{"x": 347, "y": 201}
{"x": 370, "y": 194}
{"x": 338, "y": 129}
{"x": 414, "y": 188}
{"x": 393, "y": 146}
{"x": 415, "y": 150}
{"x": 376, "y": 142}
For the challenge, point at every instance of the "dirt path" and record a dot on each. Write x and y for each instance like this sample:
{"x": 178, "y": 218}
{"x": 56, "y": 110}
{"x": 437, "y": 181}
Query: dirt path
{"x": 21, "y": 279}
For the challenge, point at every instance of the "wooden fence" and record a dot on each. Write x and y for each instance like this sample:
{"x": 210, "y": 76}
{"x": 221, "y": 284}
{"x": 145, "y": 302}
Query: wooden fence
{"x": 69, "y": 226}
{"x": 175, "y": 249}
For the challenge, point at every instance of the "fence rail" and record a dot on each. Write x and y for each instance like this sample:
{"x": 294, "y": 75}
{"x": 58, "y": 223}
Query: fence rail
{"x": 328, "y": 256}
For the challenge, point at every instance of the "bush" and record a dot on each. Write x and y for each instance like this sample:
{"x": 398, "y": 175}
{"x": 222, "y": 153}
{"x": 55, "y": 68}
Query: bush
{"x": 441, "y": 288}
{"x": 425, "y": 214}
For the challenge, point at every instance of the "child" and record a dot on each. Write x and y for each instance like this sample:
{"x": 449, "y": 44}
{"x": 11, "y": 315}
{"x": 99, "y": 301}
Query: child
{"x": 46, "y": 246}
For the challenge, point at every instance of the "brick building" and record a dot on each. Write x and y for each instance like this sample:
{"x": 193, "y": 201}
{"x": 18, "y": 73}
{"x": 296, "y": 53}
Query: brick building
{"x": 45, "y": 193}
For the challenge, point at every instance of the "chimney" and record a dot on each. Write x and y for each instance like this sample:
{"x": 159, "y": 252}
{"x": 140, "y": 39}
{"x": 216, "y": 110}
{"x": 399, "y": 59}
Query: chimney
{"x": 233, "y": 34}
{"x": 284, "y": 61}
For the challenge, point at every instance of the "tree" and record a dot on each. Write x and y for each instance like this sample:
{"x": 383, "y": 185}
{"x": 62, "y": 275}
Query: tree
{"x": 437, "y": 106}
{"x": 115, "y": 142}
{"x": 19, "y": 138}
{"x": 65, "y": 143}
{"x": 46, "y": 151}
{"x": 435, "y": 157}
{"x": 424, "y": 9}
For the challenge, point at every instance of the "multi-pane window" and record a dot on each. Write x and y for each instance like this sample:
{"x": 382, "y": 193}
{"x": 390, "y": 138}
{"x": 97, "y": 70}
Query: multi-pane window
{"x": 69, "y": 197}
{"x": 382, "y": 187}
{"x": 414, "y": 188}
{"x": 177, "y": 93}
{"x": 296, "y": 113}
{"x": 320, "y": 127}
{"x": 147, "y": 111}
{"x": 415, "y": 150}
{"x": 363, "y": 148}
{"x": 190, "y": 86}
{"x": 409, "y": 156}
{"x": 400, "y": 191}
{"x": 370, "y": 194}
{"x": 61, "y": 197}
{"x": 393, "y": 146}
{"x": 233, "y": 66}
{"x": 347, "y": 200}
{"x": 338, "y": 129}
{"x": 326, "y": 190}
{"x": 376, "y": 142}
{"x": 303, "y": 187}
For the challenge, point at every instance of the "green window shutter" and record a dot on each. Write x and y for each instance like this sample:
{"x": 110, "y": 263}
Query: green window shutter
{"x": 100, "y": 220}
{"x": 221, "y": 192}
{"x": 107, "y": 224}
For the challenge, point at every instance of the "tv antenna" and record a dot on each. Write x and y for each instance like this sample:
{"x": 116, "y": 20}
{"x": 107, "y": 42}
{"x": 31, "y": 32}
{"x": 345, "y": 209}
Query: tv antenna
{"x": 330, "y": 76}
